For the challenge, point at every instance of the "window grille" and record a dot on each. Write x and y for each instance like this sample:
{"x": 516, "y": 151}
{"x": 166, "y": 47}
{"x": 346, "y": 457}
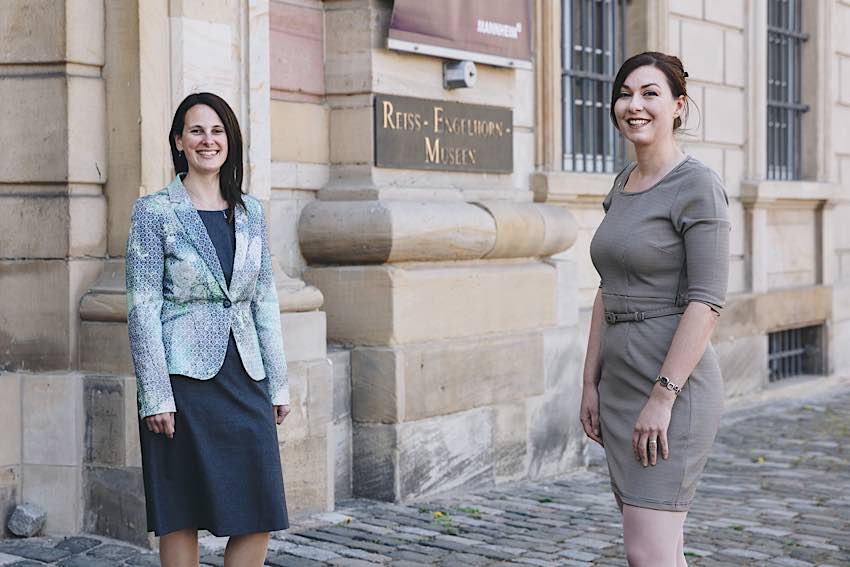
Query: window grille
{"x": 794, "y": 352}
{"x": 784, "y": 107}
{"x": 593, "y": 36}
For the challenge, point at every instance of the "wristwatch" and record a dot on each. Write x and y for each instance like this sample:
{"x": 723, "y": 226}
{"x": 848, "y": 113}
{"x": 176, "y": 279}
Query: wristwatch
{"x": 666, "y": 383}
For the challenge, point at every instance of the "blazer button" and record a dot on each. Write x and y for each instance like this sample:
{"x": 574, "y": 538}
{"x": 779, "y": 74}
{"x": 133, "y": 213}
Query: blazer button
{"x": 227, "y": 303}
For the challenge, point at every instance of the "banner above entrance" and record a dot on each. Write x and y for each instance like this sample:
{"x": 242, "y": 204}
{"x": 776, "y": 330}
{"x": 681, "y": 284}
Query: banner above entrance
{"x": 494, "y": 33}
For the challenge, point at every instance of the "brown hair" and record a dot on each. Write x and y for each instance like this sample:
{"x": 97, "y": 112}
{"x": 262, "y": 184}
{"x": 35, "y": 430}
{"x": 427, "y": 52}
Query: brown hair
{"x": 672, "y": 68}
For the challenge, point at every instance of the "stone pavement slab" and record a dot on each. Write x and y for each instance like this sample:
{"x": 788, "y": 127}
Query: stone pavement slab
{"x": 776, "y": 492}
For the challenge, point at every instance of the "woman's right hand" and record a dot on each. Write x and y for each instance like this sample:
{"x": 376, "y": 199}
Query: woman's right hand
{"x": 589, "y": 414}
{"x": 161, "y": 423}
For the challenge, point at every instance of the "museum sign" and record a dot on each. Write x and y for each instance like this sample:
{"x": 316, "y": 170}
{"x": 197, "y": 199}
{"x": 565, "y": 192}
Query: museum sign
{"x": 413, "y": 133}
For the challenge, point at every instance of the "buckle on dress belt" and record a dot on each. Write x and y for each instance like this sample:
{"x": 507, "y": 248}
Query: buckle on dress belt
{"x": 610, "y": 317}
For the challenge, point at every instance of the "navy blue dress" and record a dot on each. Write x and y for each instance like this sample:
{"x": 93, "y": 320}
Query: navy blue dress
{"x": 221, "y": 471}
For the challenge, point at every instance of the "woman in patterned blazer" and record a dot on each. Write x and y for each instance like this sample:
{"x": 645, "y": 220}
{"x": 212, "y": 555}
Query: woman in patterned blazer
{"x": 204, "y": 326}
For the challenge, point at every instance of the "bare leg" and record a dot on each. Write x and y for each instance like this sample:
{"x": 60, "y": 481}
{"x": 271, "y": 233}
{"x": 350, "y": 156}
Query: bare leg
{"x": 179, "y": 549}
{"x": 680, "y": 558}
{"x": 652, "y": 537}
{"x": 246, "y": 550}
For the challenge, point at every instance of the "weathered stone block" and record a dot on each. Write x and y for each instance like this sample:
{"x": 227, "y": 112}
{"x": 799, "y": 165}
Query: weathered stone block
{"x": 728, "y": 13}
{"x": 734, "y": 56}
{"x": 341, "y": 364}
{"x": 733, "y": 171}
{"x": 296, "y": 425}
{"x": 21, "y": 215}
{"x": 510, "y": 441}
{"x": 702, "y": 64}
{"x": 724, "y": 115}
{"x": 438, "y": 378}
{"x": 22, "y": 41}
{"x": 747, "y": 315}
{"x": 26, "y": 520}
{"x": 300, "y": 132}
{"x": 57, "y": 490}
{"x": 563, "y": 358}
{"x": 380, "y": 305}
{"x": 304, "y": 335}
{"x": 743, "y": 363}
{"x": 10, "y": 422}
{"x": 432, "y": 457}
{"x": 104, "y": 405}
{"x": 555, "y": 435}
{"x": 351, "y": 141}
{"x": 348, "y": 50}
{"x": 105, "y": 347}
{"x": 308, "y": 474}
{"x": 375, "y": 461}
{"x": 86, "y": 145}
{"x": 310, "y": 387}
{"x": 52, "y": 419}
{"x": 132, "y": 446}
{"x": 29, "y": 103}
{"x": 448, "y": 377}
{"x": 341, "y": 437}
{"x": 84, "y": 37}
{"x": 376, "y": 382}
{"x": 115, "y": 503}
{"x": 296, "y": 49}
{"x": 87, "y": 226}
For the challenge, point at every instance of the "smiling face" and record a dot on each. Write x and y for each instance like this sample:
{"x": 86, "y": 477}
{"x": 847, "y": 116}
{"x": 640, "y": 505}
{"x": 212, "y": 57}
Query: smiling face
{"x": 203, "y": 140}
{"x": 646, "y": 108}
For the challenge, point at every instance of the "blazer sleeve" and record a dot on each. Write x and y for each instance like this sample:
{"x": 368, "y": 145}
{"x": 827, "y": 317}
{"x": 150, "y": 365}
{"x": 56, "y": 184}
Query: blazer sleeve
{"x": 700, "y": 214}
{"x": 265, "y": 310}
{"x": 145, "y": 267}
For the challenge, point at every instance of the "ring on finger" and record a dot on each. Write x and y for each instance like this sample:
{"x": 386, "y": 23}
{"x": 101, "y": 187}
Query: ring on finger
{"x": 653, "y": 443}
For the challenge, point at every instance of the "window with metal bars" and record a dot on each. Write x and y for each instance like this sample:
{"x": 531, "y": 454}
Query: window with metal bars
{"x": 785, "y": 39}
{"x": 795, "y": 352}
{"x": 593, "y": 36}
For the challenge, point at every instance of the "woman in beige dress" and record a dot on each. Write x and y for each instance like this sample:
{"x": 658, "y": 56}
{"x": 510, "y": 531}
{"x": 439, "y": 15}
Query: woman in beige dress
{"x": 653, "y": 393}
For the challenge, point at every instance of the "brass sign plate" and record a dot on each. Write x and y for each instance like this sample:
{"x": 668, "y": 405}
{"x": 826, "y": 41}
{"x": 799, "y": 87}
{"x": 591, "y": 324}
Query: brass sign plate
{"x": 414, "y": 133}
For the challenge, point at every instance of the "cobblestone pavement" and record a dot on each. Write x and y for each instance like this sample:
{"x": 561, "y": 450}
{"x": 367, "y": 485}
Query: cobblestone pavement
{"x": 777, "y": 492}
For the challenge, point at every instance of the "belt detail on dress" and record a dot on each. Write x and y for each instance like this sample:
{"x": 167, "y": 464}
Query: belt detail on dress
{"x": 612, "y": 318}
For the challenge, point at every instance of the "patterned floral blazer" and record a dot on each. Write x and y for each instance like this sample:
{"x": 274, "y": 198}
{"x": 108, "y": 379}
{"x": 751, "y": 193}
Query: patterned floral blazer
{"x": 180, "y": 310}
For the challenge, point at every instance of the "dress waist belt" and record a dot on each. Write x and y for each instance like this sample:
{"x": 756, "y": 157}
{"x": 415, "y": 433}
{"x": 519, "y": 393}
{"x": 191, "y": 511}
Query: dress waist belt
{"x": 612, "y": 318}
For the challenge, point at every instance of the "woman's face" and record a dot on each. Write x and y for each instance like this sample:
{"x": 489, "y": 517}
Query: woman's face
{"x": 203, "y": 140}
{"x": 645, "y": 108}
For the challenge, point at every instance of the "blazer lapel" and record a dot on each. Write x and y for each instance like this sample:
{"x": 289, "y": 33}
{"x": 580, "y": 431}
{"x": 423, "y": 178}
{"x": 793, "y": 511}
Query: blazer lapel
{"x": 195, "y": 229}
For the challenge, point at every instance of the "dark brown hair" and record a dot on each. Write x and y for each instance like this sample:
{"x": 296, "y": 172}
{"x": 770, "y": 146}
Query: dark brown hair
{"x": 230, "y": 175}
{"x": 672, "y": 68}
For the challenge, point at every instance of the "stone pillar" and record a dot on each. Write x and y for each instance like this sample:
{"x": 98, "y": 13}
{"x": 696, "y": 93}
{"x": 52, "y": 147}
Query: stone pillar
{"x": 53, "y": 213}
{"x": 434, "y": 281}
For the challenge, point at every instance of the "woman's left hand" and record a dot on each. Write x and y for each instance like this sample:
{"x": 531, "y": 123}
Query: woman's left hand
{"x": 280, "y": 413}
{"x": 650, "y": 432}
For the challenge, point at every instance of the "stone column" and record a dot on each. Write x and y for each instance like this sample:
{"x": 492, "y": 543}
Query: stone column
{"x": 434, "y": 282}
{"x": 53, "y": 213}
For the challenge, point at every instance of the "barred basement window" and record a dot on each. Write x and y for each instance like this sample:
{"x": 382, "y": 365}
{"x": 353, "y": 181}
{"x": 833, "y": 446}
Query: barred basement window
{"x": 784, "y": 108}
{"x": 794, "y": 352}
{"x": 593, "y": 36}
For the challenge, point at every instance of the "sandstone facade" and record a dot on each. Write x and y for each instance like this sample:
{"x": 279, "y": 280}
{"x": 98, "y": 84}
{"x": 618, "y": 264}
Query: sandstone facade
{"x": 434, "y": 321}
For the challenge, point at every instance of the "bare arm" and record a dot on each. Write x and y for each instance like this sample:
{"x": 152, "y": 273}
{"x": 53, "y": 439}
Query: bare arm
{"x": 593, "y": 356}
{"x": 589, "y": 413}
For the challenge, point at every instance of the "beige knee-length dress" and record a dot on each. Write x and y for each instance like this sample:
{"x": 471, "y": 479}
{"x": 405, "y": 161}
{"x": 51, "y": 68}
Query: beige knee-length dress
{"x": 659, "y": 249}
